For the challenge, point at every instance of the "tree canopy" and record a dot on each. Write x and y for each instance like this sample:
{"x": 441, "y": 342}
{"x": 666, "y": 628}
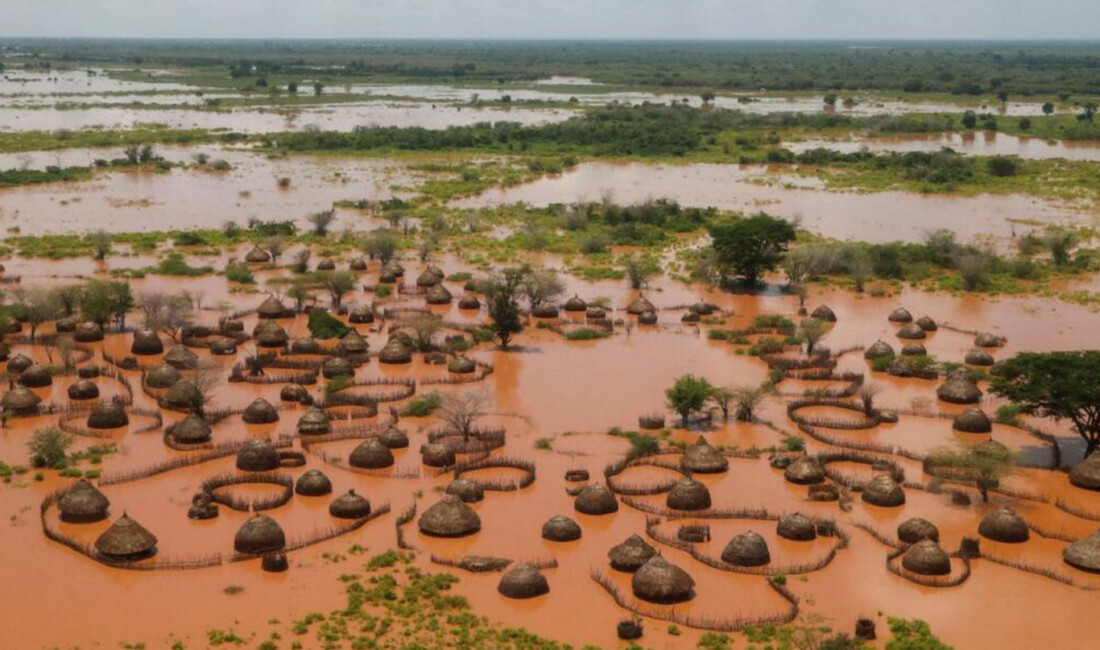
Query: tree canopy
{"x": 751, "y": 246}
{"x": 688, "y": 395}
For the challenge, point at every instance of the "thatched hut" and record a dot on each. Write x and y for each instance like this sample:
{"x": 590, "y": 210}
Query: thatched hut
{"x": 313, "y": 483}
{"x": 926, "y": 558}
{"x": 371, "y": 454}
{"x": 804, "y": 470}
{"x": 466, "y": 490}
{"x": 19, "y": 363}
{"x": 295, "y": 393}
{"x": 126, "y": 540}
{"x": 747, "y": 549}
{"x": 879, "y": 350}
{"x": 914, "y": 350}
{"x": 223, "y": 347}
{"x": 36, "y": 376}
{"x": 449, "y": 517}
{"x": 20, "y": 400}
{"x": 362, "y": 315}
{"x": 640, "y": 306}
{"x": 560, "y": 528}
{"x": 181, "y": 358}
{"x": 688, "y": 494}
{"x": 353, "y": 343}
{"x": 912, "y": 332}
{"x": 88, "y": 332}
{"x": 702, "y": 308}
{"x": 576, "y": 303}
{"x": 107, "y": 414}
{"x": 271, "y": 308}
{"x": 927, "y": 324}
{"x": 979, "y": 358}
{"x": 358, "y": 265}
{"x": 202, "y": 507}
{"x": 596, "y": 500}
{"x": 306, "y": 345}
{"x": 689, "y": 317}
{"x": 395, "y": 352}
{"x": 260, "y": 411}
{"x": 437, "y": 454}
{"x": 1004, "y": 525}
{"x": 595, "y": 312}
{"x": 660, "y": 581}
{"x": 631, "y": 555}
{"x": 972, "y": 420}
{"x": 349, "y": 506}
{"x": 257, "y": 456}
{"x": 326, "y": 265}
{"x": 83, "y": 503}
{"x": 184, "y": 396}
{"x": 260, "y": 534}
{"x": 257, "y": 256}
{"x": 270, "y": 335}
{"x": 334, "y": 367}
{"x": 65, "y": 325}
{"x": 146, "y": 343}
{"x": 191, "y": 430}
{"x": 900, "y": 315}
{"x": 914, "y": 530}
{"x": 394, "y": 438}
{"x": 988, "y": 340}
{"x": 883, "y": 491}
{"x": 438, "y": 295}
{"x": 394, "y": 268}
{"x": 1084, "y": 554}
{"x": 824, "y": 313}
{"x": 545, "y": 310}
{"x": 1086, "y": 474}
{"x": 703, "y": 458}
{"x": 462, "y": 365}
{"x": 647, "y": 318}
{"x": 797, "y": 527}
{"x": 314, "y": 422}
{"x": 469, "y": 301}
{"x": 523, "y": 581}
{"x": 959, "y": 389}
{"x": 428, "y": 278}
{"x": 83, "y": 389}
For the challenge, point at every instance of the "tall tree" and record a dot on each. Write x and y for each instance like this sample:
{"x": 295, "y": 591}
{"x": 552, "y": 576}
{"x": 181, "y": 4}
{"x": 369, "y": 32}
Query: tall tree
{"x": 751, "y": 246}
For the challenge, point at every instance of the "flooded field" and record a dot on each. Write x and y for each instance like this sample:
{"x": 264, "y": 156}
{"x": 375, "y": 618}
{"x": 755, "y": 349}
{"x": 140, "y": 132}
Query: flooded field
{"x": 566, "y": 394}
{"x": 973, "y": 144}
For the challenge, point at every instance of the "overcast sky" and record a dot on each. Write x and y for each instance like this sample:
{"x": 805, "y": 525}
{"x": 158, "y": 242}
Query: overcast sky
{"x": 673, "y": 19}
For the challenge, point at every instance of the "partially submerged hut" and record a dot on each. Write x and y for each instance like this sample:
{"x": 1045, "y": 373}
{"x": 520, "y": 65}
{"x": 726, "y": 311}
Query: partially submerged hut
{"x": 914, "y": 530}
{"x": 1004, "y": 525}
{"x": 449, "y": 517}
{"x": 313, "y": 483}
{"x": 703, "y": 458}
{"x": 371, "y": 454}
{"x": 349, "y": 506}
{"x": 560, "y": 528}
{"x": 257, "y": 456}
{"x": 688, "y": 494}
{"x": 660, "y": 581}
{"x": 126, "y": 540}
{"x": 83, "y": 503}
{"x": 260, "y": 534}
{"x": 747, "y": 549}
{"x": 926, "y": 558}
{"x": 883, "y": 491}
{"x": 596, "y": 500}
{"x": 260, "y": 411}
{"x": 523, "y": 581}
{"x": 631, "y": 555}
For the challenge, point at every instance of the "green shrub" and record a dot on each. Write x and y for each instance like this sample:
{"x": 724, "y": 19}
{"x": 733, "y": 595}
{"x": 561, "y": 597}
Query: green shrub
{"x": 239, "y": 273}
{"x": 323, "y": 325}
{"x": 586, "y": 334}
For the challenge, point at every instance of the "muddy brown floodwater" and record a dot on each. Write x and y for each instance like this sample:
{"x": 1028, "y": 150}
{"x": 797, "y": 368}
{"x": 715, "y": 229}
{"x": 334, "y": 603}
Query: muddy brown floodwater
{"x": 569, "y": 393}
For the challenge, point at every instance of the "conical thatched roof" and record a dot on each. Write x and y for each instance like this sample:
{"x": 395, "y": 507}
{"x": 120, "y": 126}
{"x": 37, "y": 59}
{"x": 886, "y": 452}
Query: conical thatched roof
{"x": 560, "y": 528}
{"x": 959, "y": 389}
{"x": 358, "y": 264}
{"x": 191, "y": 430}
{"x": 926, "y": 558}
{"x": 271, "y": 307}
{"x": 257, "y": 456}
{"x": 702, "y": 458}
{"x": 747, "y": 549}
{"x": 1084, "y": 554}
{"x": 927, "y": 324}
{"x": 126, "y": 539}
{"x": 337, "y": 367}
{"x": 640, "y": 306}
{"x": 36, "y": 376}
{"x": 576, "y": 303}
{"x": 824, "y": 313}
{"x": 883, "y": 491}
{"x": 19, "y": 363}
{"x": 65, "y": 325}
{"x": 313, "y": 483}
{"x": 162, "y": 375}
{"x": 88, "y": 332}
{"x": 523, "y": 581}
{"x": 912, "y": 332}
{"x": 260, "y": 411}
{"x": 371, "y": 454}
{"x": 469, "y": 301}
{"x": 395, "y": 352}
{"x": 1004, "y": 525}
{"x": 805, "y": 470}
{"x": 979, "y": 358}
{"x": 988, "y": 340}
{"x": 1086, "y": 474}
{"x": 146, "y": 342}
{"x": 306, "y": 345}
{"x": 353, "y": 343}
{"x": 914, "y": 530}
{"x": 314, "y": 422}
{"x": 461, "y": 365}
{"x": 437, "y": 454}
{"x": 545, "y": 310}
{"x": 880, "y": 350}
{"x": 688, "y": 494}
{"x": 449, "y": 517}
{"x": 257, "y": 256}
{"x": 184, "y": 395}
{"x": 361, "y": 315}
{"x": 972, "y": 420}
{"x": 326, "y": 265}
{"x": 595, "y": 312}
{"x": 349, "y": 506}
{"x": 182, "y": 358}
{"x": 660, "y": 581}
{"x": 900, "y": 315}
{"x": 394, "y": 438}
{"x": 438, "y": 295}
{"x": 428, "y": 278}
{"x": 631, "y": 555}
{"x": 914, "y": 350}
{"x": 260, "y": 534}
{"x": 270, "y": 335}
{"x": 466, "y": 490}
{"x": 20, "y": 400}
{"x": 689, "y": 317}
{"x": 596, "y": 500}
{"x": 83, "y": 503}
{"x": 797, "y": 527}
{"x": 393, "y": 267}
{"x": 295, "y": 393}
{"x": 83, "y": 389}
{"x": 107, "y": 414}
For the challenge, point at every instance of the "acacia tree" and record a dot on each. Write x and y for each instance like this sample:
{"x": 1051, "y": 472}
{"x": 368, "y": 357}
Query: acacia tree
{"x": 322, "y": 222}
{"x": 813, "y": 330}
{"x": 461, "y": 411}
{"x": 503, "y": 290}
{"x": 723, "y": 398}
{"x": 337, "y": 284}
{"x": 1059, "y": 385}
{"x": 984, "y": 464}
{"x": 38, "y": 305}
{"x": 751, "y": 246}
{"x": 689, "y": 395}
{"x": 541, "y": 285}
{"x": 639, "y": 270}
{"x": 381, "y": 245}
